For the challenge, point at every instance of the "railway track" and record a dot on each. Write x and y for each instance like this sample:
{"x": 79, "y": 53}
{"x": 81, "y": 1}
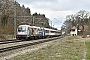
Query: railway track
{"x": 6, "y": 49}
{"x": 12, "y": 41}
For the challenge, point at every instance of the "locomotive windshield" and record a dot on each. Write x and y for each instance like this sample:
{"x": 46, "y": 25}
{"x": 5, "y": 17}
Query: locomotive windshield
{"x": 21, "y": 29}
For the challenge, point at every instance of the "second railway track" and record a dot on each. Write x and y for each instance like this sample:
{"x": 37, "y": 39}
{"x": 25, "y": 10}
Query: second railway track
{"x": 6, "y": 49}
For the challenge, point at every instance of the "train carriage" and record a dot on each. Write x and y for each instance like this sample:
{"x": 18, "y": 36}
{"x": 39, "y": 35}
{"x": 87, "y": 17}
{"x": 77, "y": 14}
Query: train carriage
{"x": 51, "y": 32}
{"x": 46, "y": 32}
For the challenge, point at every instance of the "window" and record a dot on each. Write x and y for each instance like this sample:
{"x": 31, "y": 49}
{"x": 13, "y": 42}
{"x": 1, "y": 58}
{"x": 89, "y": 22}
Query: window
{"x": 47, "y": 31}
{"x": 72, "y": 29}
{"x": 21, "y": 29}
{"x": 52, "y": 31}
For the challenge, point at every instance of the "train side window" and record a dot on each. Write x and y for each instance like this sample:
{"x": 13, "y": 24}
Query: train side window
{"x": 52, "y": 31}
{"x": 47, "y": 31}
{"x": 28, "y": 28}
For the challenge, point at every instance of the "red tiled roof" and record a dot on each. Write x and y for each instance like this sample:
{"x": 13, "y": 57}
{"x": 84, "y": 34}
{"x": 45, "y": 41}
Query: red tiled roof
{"x": 73, "y": 27}
{"x": 80, "y": 27}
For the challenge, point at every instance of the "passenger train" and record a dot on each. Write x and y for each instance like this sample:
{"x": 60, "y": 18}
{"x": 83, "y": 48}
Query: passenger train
{"x": 34, "y": 32}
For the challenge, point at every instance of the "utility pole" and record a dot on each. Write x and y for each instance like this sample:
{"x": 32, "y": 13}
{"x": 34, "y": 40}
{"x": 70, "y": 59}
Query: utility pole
{"x": 14, "y": 19}
{"x": 43, "y": 23}
{"x": 33, "y": 20}
{"x": 51, "y": 24}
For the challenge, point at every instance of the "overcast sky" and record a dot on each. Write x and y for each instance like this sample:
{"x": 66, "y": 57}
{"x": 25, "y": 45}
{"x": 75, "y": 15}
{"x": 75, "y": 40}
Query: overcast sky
{"x": 56, "y": 10}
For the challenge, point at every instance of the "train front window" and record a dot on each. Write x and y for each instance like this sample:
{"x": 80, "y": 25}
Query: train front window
{"x": 21, "y": 29}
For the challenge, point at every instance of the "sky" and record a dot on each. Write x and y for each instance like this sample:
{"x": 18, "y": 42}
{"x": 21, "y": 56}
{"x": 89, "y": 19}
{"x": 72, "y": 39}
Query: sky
{"x": 56, "y": 10}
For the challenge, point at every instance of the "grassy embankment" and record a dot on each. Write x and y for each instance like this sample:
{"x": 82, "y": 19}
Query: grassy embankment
{"x": 88, "y": 50}
{"x": 71, "y": 48}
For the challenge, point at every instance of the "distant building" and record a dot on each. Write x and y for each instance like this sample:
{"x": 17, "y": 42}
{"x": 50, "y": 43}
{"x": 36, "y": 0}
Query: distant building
{"x": 73, "y": 31}
{"x": 40, "y": 20}
{"x": 78, "y": 30}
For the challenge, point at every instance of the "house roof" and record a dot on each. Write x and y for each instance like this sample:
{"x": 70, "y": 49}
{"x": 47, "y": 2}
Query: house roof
{"x": 73, "y": 27}
{"x": 80, "y": 27}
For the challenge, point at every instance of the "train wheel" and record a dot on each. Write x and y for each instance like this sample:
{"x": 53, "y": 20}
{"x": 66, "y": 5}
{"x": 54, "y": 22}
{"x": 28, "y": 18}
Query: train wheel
{"x": 35, "y": 38}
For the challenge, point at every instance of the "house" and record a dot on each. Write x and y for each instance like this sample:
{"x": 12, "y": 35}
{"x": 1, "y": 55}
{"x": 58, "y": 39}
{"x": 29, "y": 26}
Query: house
{"x": 73, "y": 31}
{"x": 78, "y": 30}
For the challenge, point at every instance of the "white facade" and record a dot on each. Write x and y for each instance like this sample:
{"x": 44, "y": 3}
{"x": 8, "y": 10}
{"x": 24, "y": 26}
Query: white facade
{"x": 73, "y": 32}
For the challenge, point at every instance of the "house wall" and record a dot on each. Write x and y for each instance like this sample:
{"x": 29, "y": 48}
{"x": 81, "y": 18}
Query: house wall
{"x": 73, "y": 33}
